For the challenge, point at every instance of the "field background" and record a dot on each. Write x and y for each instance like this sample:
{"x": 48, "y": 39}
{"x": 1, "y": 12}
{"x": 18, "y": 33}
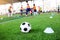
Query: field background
{"x": 9, "y": 27}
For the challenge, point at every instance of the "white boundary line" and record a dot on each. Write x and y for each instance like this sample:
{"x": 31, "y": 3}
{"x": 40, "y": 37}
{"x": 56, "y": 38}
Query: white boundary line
{"x": 7, "y": 21}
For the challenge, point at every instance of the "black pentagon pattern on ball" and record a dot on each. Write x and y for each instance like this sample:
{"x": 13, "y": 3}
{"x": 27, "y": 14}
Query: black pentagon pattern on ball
{"x": 23, "y": 23}
{"x": 28, "y": 24}
{"x": 25, "y": 29}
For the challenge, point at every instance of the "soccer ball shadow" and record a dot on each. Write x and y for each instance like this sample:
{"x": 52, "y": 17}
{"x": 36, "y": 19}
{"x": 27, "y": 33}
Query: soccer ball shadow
{"x": 35, "y": 31}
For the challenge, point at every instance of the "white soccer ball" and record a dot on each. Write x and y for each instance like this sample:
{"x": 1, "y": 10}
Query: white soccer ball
{"x": 25, "y": 27}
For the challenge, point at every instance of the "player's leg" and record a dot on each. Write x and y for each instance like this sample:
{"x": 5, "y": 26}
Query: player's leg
{"x": 9, "y": 13}
{"x": 31, "y": 11}
{"x": 26, "y": 11}
{"x": 36, "y": 12}
{"x": 39, "y": 12}
{"x": 21, "y": 12}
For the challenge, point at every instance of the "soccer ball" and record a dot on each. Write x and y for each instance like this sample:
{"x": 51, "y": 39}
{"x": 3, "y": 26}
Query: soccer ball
{"x": 25, "y": 27}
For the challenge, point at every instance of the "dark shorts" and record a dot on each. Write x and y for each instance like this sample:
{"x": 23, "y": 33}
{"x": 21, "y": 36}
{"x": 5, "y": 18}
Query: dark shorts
{"x": 9, "y": 11}
{"x": 35, "y": 10}
{"x": 21, "y": 11}
{"x": 27, "y": 10}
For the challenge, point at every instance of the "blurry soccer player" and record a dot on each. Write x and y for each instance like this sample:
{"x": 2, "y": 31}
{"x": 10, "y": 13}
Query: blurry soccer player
{"x": 21, "y": 10}
{"x": 58, "y": 9}
{"x": 34, "y": 9}
{"x": 10, "y": 11}
{"x": 39, "y": 9}
{"x": 28, "y": 9}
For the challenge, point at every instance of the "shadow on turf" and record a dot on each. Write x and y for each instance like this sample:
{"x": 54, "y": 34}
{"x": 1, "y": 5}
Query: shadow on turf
{"x": 57, "y": 39}
{"x": 31, "y": 31}
{"x": 36, "y": 31}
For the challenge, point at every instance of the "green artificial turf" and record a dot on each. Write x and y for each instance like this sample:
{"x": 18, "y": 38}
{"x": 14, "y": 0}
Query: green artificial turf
{"x": 11, "y": 31}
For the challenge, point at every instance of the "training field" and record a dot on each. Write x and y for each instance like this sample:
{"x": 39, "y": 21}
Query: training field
{"x": 9, "y": 27}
